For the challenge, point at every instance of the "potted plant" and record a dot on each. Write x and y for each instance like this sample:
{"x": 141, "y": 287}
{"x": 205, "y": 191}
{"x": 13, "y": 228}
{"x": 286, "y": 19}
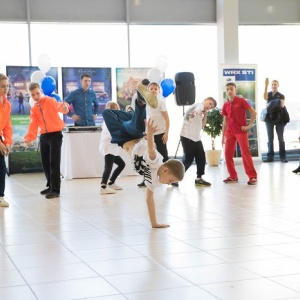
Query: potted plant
{"x": 213, "y": 128}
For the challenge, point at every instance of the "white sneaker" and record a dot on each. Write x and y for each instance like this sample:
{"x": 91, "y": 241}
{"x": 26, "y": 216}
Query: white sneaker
{"x": 107, "y": 190}
{"x": 115, "y": 186}
{"x": 129, "y": 108}
{"x": 147, "y": 96}
{"x": 3, "y": 203}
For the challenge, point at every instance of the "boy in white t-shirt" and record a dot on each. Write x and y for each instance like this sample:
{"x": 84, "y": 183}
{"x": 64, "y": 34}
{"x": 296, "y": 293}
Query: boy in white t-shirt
{"x": 127, "y": 130}
{"x": 161, "y": 119}
{"x": 190, "y": 136}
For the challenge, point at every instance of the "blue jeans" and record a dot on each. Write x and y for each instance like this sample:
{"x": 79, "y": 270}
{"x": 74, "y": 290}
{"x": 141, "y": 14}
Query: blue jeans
{"x": 270, "y": 131}
{"x": 125, "y": 126}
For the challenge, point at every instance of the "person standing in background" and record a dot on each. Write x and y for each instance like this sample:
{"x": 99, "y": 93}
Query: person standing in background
{"x": 161, "y": 120}
{"x": 190, "y": 136}
{"x": 271, "y": 123}
{"x": 235, "y": 129}
{"x": 6, "y": 133}
{"x": 21, "y": 104}
{"x": 84, "y": 102}
{"x": 111, "y": 155}
{"x": 45, "y": 118}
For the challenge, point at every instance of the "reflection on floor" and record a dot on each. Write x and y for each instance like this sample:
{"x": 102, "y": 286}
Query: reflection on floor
{"x": 227, "y": 241}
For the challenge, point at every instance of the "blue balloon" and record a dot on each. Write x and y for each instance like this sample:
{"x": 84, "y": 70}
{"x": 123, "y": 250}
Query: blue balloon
{"x": 168, "y": 86}
{"x": 48, "y": 85}
{"x": 56, "y": 96}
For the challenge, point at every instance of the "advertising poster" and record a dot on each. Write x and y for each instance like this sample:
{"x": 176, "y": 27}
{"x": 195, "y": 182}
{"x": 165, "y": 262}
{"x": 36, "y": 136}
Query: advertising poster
{"x": 101, "y": 84}
{"x": 244, "y": 76}
{"x": 23, "y": 159}
{"x": 127, "y": 81}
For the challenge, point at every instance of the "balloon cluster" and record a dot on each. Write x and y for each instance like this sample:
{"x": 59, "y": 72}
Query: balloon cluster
{"x": 47, "y": 83}
{"x": 156, "y": 75}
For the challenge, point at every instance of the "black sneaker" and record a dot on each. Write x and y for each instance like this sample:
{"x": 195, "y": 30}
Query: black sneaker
{"x": 145, "y": 95}
{"x": 296, "y": 171}
{"x": 142, "y": 184}
{"x": 269, "y": 159}
{"x": 284, "y": 160}
{"x": 52, "y": 195}
{"x": 45, "y": 191}
{"x": 201, "y": 182}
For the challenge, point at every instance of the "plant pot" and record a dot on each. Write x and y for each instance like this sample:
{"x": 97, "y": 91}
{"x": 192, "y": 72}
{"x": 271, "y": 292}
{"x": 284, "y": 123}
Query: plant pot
{"x": 213, "y": 157}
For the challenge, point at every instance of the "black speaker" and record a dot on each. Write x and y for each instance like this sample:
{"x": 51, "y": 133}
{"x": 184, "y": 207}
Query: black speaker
{"x": 185, "y": 88}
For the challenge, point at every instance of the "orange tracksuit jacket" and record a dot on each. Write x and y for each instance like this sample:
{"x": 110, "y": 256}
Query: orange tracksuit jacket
{"x": 44, "y": 115}
{"x": 6, "y": 131}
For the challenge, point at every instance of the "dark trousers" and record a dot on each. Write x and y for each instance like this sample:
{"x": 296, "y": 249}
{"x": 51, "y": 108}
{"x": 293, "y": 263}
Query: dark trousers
{"x": 270, "y": 131}
{"x": 50, "y": 144}
{"x": 161, "y": 147}
{"x": 2, "y": 174}
{"x": 21, "y": 107}
{"x": 109, "y": 160}
{"x": 193, "y": 150}
{"x": 125, "y": 126}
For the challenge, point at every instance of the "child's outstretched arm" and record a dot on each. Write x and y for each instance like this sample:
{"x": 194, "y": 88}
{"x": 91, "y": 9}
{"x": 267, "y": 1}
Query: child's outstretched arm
{"x": 151, "y": 129}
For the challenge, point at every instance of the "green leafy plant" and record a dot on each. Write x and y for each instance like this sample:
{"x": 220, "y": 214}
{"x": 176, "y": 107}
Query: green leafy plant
{"x": 213, "y": 126}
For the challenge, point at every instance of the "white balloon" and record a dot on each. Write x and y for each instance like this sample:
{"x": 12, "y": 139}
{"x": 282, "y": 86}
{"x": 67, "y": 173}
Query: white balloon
{"x": 31, "y": 102}
{"x": 162, "y": 63}
{"x": 44, "y": 63}
{"x": 37, "y": 76}
{"x": 155, "y": 75}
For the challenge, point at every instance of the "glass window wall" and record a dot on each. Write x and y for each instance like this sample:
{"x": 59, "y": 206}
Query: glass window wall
{"x": 188, "y": 49}
{"x": 275, "y": 51}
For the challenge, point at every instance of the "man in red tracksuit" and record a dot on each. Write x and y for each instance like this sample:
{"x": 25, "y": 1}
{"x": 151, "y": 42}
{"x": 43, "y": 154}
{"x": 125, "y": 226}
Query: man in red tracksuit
{"x": 235, "y": 129}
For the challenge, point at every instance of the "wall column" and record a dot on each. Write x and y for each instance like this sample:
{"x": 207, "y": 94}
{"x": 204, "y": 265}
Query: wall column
{"x": 227, "y": 30}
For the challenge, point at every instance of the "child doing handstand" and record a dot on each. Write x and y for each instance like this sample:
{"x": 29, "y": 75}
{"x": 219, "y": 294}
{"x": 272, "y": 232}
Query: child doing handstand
{"x": 127, "y": 130}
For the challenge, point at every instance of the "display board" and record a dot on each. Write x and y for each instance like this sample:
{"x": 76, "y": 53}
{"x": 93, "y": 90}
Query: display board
{"x": 127, "y": 81}
{"x": 23, "y": 159}
{"x": 101, "y": 84}
{"x": 244, "y": 76}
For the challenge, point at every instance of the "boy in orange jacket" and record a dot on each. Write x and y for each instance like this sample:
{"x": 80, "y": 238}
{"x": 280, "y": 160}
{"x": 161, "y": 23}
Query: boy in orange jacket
{"x": 6, "y": 133}
{"x": 44, "y": 116}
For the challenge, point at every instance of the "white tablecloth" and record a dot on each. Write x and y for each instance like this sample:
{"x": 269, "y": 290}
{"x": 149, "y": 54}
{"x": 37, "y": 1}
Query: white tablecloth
{"x": 80, "y": 156}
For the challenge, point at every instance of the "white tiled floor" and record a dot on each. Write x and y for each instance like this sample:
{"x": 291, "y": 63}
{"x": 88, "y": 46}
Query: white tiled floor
{"x": 231, "y": 242}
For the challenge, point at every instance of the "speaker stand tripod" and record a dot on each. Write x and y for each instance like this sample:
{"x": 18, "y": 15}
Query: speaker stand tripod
{"x": 183, "y": 113}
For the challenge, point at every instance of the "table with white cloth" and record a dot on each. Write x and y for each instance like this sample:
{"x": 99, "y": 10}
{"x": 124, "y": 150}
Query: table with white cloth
{"x": 80, "y": 156}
